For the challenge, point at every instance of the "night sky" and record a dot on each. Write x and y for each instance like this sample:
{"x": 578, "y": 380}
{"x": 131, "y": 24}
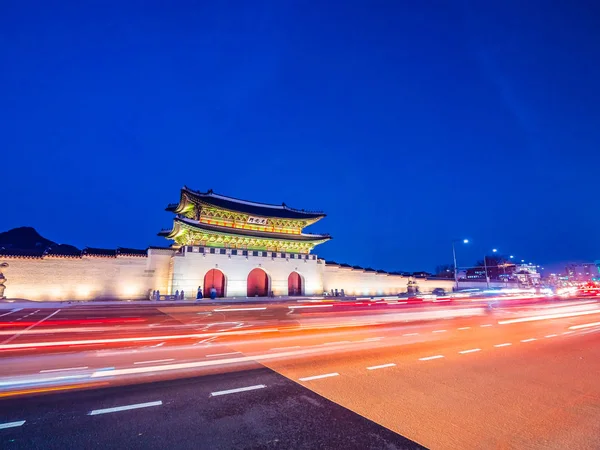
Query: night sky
{"x": 408, "y": 125}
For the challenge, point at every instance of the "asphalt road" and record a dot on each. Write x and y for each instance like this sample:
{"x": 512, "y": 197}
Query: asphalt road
{"x": 520, "y": 376}
{"x": 197, "y": 413}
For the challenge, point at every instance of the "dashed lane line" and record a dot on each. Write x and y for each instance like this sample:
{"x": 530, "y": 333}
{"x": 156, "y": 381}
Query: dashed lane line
{"x": 17, "y": 423}
{"x": 506, "y": 344}
{"x": 223, "y": 354}
{"x": 411, "y": 334}
{"x": 235, "y": 391}
{"x": 551, "y": 335}
{"x": 485, "y": 325}
{"x": 429, "y": 358}
{"x": 96, "y": 412}
{"x": 29, "y": 327}
{"x": 472, "y": 350}
{"x": 318, "y": 377}
{"x": 528, "y": 340}
{"x": 382, "y": 366}
{"x": 439, "y": 331}
{"x": 10, "y": 312}
{"x": 464, "y": 328}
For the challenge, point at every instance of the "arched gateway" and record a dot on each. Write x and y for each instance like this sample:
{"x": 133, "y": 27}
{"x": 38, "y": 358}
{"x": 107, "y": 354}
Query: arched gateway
{"x": 214, "y": 278}
{"x": 295, "y": 284}
{"x": 258, "y": 283}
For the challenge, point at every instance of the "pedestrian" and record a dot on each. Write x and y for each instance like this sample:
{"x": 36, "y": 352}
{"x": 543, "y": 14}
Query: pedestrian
{"x": 199, "y": 293}
{"x": 182, "y": 295}
{"x": 213, "y": 293}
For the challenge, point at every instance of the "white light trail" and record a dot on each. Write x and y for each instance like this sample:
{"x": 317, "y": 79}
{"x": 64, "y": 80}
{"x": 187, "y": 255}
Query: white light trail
{"x": 310, "y": 306}
{"x": 96, "y": 412}
{"x": 66, "y": 368}
{"x": 29, "y": 328}
{"x": 154, "y": 361}
{"x": 585, "y": 325}
{"x": 239, "y": 309}
{"x": 223, "y": 354}
{"x": 548, "y": 316}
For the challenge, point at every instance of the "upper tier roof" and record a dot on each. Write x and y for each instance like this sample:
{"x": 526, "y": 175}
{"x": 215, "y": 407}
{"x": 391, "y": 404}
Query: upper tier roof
{"x": 259, "y": 209}
{"x": 250, "y": 233}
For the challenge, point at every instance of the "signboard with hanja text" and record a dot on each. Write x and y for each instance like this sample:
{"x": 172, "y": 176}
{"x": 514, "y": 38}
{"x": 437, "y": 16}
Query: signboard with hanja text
{"x": 257, "y": 220}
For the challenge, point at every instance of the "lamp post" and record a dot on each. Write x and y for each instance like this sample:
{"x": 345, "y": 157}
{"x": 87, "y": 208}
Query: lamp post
{"x": 465, "y": 241}
{"x": 487, "y": 278}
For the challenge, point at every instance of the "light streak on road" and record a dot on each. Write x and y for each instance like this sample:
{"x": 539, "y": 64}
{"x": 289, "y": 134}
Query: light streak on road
{"x": 29, "y": 328}
{"x": 548, "y": 317}
{"x": 154, "y": 361}
{"x": 61, "y": 370}
{"x": 239, "y": 309}
{"x": 584, "y": 325}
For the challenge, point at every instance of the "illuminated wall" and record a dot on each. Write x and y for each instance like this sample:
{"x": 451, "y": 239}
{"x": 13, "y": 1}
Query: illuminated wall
{"x": 86, "y": 278}
{"x": 189, "y": 268}
{"x": 357, "y": 282}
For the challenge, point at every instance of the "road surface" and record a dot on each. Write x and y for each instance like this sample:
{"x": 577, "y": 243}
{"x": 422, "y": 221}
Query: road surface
{"x": 452, "y": 375}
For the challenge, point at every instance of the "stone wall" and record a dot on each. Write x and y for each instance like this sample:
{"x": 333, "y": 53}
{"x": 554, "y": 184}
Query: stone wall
{"x": 85, "y": 278}
{"x": 357, "y": 282}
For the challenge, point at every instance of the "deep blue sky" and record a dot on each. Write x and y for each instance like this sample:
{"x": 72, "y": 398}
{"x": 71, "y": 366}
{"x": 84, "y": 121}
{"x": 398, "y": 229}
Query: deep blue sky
{"x": 407, "y": 125}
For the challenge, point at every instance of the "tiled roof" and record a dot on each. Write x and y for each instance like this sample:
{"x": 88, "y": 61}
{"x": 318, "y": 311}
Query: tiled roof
{"x": 17, "y": 253}
{"x": 260, "y": 234}
{"x": 99, "y": 252}
{"x": 132, "y": 251}
{"x": 254, "y": 208}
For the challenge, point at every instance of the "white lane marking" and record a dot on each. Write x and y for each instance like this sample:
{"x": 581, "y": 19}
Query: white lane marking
{"x": 158, "y": 345}
{"x": 439, "y": 331}
{"x": 139, "y": 339}
{"x": 568, "y": 332}
{"x": 549, "y": 316}
{"x": 310, "y": 306}
{"x": 317, "y": 377}
{"x": 283, "y": 348}
{"x": 473, "y": 350}
{"x": 411, "y": 334}
{"x": 18, "y": 423}
{"x": 66, "y": 368}
{"x": 464, "y": 328}
{"x": 96, "y": 412}
{"x": 506, "y": 344}
{"x": 29, "y": 328}
{"x": 239, "y": 309}
{"x": 529, "y": 340}
{"x": 235, "y": 391}
{"x": 551, "y": 335}
{"x": 428, "y": 358}
{"x": 382, "y": 366}
{"x": 154, "y": 361}
{"x": 486, "y": 325}
{"x": 372, "y": 339}
{"x": 10, "y": 312}
{"x": 223, "y": 354}
{"x": 584, "y": 325}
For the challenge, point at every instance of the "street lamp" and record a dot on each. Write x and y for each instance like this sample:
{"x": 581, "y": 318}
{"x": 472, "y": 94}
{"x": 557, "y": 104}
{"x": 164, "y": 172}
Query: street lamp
{"x": 464, "y": 241}
{"x": 487, "y": 279}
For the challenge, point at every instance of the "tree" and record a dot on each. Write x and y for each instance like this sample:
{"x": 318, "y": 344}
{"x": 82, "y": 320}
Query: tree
{"x": 444, "y": 271}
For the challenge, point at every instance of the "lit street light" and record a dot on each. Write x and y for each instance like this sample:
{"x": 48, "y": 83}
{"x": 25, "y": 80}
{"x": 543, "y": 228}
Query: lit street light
{"x": 465, "y": 241}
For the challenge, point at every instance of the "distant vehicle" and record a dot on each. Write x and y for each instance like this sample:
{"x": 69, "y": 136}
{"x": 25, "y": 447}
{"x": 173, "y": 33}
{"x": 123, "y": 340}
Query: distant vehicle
{"x": 439, "y": 292}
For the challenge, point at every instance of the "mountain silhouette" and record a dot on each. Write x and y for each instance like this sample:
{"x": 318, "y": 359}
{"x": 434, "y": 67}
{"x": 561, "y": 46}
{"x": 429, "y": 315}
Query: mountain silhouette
{"x": 27, "y": 238}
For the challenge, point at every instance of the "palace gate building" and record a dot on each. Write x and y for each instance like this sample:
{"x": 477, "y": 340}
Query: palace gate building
{"x": 240, "y": 248}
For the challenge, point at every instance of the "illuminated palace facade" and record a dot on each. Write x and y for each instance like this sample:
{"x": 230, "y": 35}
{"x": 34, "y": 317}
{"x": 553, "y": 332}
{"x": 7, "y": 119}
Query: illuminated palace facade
{"x": 236, "y": 247}
{"x": 241, "y": 248}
